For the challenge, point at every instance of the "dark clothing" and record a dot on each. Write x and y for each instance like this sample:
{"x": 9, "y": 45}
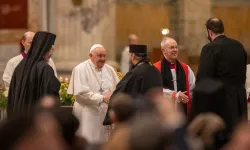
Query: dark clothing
{"x": 181, "y": 78}
{"x": 33, "y": 78}
{"x": 167, "y": 76}
{"x": 224, "y": 60}
{"x": 138, "y": 81}
{"x": 209, "y": 96}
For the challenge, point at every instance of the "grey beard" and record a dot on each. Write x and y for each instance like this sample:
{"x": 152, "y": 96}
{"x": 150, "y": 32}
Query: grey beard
{"x": 131, "y": 65}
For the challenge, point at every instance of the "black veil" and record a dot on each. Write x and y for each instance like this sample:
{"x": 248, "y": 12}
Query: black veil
{"x": 32, "y": 77}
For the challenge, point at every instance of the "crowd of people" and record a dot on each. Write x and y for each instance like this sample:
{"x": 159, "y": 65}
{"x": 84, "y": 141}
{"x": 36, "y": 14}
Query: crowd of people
{"x": 160, "y": 106}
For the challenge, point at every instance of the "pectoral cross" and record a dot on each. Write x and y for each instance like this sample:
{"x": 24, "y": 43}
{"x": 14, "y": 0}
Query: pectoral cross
{"x": 101, "y": 90}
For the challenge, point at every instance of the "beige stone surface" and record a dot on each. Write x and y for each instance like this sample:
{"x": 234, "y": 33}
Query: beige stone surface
{"x": 196, "y": 13}
{"x": 188, "y": 19}
{"x": 78, "y": 32}
{"x": 34, "y": 20}
{"x": 248, "y": 110}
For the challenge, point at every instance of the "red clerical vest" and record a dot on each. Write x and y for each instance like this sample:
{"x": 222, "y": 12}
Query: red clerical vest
{"x": 185, "y": 68}
{"x": 24, "y": 54}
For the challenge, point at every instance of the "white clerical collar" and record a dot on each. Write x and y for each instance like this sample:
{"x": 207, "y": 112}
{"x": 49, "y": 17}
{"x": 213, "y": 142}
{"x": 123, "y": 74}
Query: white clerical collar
{"x": 93, "y": 65}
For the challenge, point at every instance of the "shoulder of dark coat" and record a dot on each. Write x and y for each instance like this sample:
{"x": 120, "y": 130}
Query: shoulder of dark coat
{"x": 210, "y": 45}
{"x": 239, "y": 43}
{"x": 144, "y": 69}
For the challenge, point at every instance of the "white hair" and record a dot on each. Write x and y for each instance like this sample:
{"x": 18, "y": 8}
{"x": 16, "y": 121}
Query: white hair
{"x": 27, "y": 33}
{"x": 132, "y": 37}
{"x": 164, "y": 41}
{"x": 94, "y": 47}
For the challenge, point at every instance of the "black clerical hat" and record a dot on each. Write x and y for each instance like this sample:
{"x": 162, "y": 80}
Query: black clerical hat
{"x": 138, "y": 49}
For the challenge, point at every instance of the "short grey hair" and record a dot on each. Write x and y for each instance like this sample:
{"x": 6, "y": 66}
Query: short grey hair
{"x": 25, "y": 35}
{"x": 164, "y": 41}
{"x": 132, "y": 37}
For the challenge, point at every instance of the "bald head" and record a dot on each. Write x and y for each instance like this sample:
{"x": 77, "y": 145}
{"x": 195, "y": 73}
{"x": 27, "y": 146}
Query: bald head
{"x": 215, "y": 25}
{"x": 215, "y": 28}
{"x": 132, "y": 39}
{"x": 98, "y": 55}
{"x": 27, "y": 40}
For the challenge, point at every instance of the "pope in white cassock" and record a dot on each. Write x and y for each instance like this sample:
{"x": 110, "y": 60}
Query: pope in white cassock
{"x": 92, "y": 82}
{"x": 13, "y": 62}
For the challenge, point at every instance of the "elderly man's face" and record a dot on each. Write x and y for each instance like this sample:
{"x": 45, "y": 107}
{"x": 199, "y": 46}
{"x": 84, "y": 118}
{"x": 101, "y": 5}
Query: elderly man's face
{"x": 98, "y": 57}
{"x": 170, "y": 50}
{"x": 133, "y": 41}
{"x": 27, "y": 42}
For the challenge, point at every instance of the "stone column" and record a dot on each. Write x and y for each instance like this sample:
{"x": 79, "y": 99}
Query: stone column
{"x": 188, "y": 19}
{"x": 79, "y": 27}
{"x": 35, "y": 14}
{"x": 176, "y": 21}
{"x": 196, "y": 13}
{"x": 44, "y": 15}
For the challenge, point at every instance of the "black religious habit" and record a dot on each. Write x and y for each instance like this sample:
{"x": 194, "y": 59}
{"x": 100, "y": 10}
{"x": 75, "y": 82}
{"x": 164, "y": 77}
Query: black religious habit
{"x": 33, "y": 78}
{"x": 139, "y": 80}
{"x": 225, "y": 60}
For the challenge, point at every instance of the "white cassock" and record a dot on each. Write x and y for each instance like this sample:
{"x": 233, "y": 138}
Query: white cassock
{"x": 191, "y": 81}
{"x": 248, "y": 89}
{"x": 125, "y": 61}
{"x": 85, "y": 83}
{"x": 248, "y": 80}
{"x": 11, "y": 65}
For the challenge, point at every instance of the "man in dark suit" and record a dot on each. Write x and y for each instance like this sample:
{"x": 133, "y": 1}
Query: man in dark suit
{"x": 141, "y": 77}
{"x": 224, "y": 60}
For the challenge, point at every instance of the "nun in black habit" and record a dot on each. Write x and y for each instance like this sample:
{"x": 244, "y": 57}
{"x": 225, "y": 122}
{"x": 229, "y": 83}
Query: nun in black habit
{"x": 33, "y": 77}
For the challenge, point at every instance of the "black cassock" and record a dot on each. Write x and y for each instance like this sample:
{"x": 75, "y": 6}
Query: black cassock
{"x": 138, "y": 81}
{"x": 33, "y": 78}
{"x": 223, "y": 60}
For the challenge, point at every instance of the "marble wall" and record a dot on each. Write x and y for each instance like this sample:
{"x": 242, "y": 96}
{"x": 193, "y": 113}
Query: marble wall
{"x": 79, "y": 27}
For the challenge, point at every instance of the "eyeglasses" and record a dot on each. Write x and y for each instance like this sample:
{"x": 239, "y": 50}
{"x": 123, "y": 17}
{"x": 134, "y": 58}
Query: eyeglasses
{"x": 172, "y": 47}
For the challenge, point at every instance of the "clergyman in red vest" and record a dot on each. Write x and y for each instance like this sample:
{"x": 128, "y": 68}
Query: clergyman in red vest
{"x": 178, "y": 78}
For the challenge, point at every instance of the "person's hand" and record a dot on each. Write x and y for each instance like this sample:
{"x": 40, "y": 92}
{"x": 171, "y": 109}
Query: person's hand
{"x": 106, "y": 97}
{"x": 183, "y": 97}
{"x": 170, "y": 115}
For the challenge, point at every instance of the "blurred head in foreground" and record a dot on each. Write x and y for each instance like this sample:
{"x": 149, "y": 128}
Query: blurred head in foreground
{"x": 122, "y": 108}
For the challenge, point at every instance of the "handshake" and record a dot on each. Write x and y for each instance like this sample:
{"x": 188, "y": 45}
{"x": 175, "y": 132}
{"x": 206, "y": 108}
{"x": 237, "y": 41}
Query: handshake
{"x": 106, "y": 97}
